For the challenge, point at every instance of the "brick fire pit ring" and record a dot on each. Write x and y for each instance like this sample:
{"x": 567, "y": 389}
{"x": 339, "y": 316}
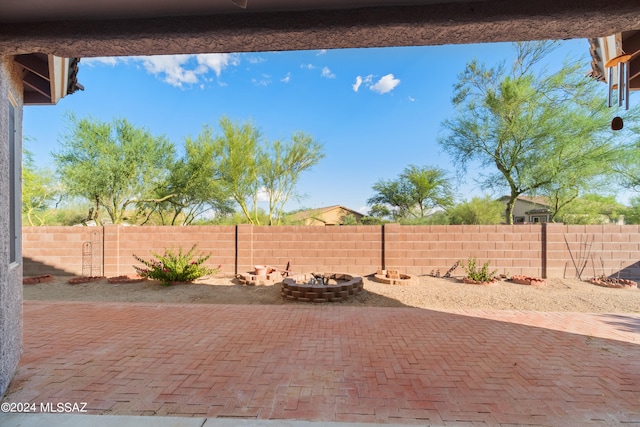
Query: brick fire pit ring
{"x": 297, "y": 289}
{"x": 394, "y": 277}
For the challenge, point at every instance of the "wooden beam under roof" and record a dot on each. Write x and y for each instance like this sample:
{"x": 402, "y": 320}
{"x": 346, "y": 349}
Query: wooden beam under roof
{"x": 36, "y": 64}
{"x": 37, "y": 83}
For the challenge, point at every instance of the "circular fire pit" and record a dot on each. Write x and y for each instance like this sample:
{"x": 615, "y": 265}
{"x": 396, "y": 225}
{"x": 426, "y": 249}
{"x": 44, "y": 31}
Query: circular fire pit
{"x": 327, "y": 287}
{"x": 394, "y": 277}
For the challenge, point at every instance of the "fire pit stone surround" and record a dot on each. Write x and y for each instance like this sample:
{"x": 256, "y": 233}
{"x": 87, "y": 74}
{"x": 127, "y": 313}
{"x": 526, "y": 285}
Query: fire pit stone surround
{"x": 318, "y": 288}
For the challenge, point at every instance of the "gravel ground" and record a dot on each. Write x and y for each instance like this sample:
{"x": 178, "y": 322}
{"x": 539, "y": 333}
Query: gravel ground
{"x": 431, "y": 293}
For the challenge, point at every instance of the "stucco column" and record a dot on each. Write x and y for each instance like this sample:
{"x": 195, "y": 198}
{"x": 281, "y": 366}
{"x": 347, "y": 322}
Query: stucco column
{"x": 10, "y": 272}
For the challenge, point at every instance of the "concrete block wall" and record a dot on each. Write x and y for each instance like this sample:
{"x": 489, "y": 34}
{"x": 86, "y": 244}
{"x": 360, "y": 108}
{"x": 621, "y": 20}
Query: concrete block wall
{"x": 121, "y": 243}
{"x": 352, "y": 249}
{"x": 54, "y": 250}
{"x": 537, "y": 250}
{"x": 509, "y": 249}
{"x": 596, "y": 250}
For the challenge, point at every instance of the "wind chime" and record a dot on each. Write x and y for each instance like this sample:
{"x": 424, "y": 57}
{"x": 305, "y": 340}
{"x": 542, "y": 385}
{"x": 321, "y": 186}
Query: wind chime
{"x": 619, "y": 67}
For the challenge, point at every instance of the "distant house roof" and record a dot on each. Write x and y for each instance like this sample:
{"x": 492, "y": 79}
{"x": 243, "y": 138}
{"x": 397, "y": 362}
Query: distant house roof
{"x": 323, "y": 215}
{"x": 539, "y": 204}
{"x": 538, "y": 200}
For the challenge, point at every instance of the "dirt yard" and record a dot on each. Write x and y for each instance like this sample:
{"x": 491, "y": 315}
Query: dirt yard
{"x": 431, "y": 293}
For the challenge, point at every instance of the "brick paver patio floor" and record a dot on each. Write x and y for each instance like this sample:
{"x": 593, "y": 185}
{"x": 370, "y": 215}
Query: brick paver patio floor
{"x": 326, "y": 363}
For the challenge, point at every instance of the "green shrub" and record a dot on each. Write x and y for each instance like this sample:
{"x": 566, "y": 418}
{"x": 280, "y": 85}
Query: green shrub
{"x": 172, "y": 267}
{"x": 479, "y": 275}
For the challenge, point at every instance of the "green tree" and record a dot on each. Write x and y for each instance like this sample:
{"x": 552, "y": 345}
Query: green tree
{"x": 249, "y": 167}
{"x": 238, "y": 150}
{"x": 191, "y": 189}
{"x": 280, "y": 167}
{"x": 114, "y": 165}
{"x": 627, "y": 165}
{"x": 539, "y": 131}
{"x": 40, "y": 191}
{"x": 632, "y": 214}
{"x": 593, "y": 209}
{"x": 414, "y": 194}
{"x": 477, "y": 211}
{"x": 381, "y": 212}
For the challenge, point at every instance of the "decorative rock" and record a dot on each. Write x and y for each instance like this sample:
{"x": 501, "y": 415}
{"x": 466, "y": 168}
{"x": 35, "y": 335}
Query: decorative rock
{"x": 613, "y": 282}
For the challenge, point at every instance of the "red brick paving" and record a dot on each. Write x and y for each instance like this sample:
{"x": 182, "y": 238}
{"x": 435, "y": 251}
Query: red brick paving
{"x": 319, "y": 363}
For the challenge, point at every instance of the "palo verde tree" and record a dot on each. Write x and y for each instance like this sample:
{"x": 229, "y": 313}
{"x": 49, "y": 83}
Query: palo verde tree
{"x": 114, "y": 165}
{"x": 627, "y": 166}
{"x": 248, "y": 166}
{"x": 280, "y": 167}
{"x": 237, "y": 150}
{"x": 478, "y": 210}
{"x": 190, "y": 189}
{"x": 538, "y": 131}
{"x": 40, "y": 190}
{"x": 414, "y": 194}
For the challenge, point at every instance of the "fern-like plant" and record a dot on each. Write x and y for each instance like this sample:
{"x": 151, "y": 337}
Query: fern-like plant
{"x": 478, "y": 274}
{"x": 175, "y": 267}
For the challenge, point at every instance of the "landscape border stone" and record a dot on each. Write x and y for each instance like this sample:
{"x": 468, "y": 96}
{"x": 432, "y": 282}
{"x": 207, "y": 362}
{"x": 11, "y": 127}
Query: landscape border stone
{"x": 527, "y": 280}
{"x": 127, "y": 278}
{"x": 84, "y": 279}
{"x": 37, "y": 279}
{"x": 613, "y": 282}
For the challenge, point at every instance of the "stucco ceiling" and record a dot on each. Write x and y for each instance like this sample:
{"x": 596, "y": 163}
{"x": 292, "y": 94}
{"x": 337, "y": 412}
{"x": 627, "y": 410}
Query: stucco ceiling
{"x": 64, "y": 10}
{"x": 83, "y": 28}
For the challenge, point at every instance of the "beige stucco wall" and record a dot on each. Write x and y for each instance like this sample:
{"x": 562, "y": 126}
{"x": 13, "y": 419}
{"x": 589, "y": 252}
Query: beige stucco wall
{"x": 10, "y": 274}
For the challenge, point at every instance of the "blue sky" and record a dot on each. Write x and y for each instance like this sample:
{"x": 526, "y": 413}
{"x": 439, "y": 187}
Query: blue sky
{"x": 375, "y": 110}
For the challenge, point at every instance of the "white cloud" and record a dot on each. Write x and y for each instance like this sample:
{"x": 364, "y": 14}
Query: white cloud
{"x": 286, "y": 79}
{"x": 264, "y": 80}
{"x": 104, "y": 60}
{"x": 172, "y": 68}
{"x": 412, "y": 99}
{"x": 256, "y": 59}
{"x": 217, "y": 61}
{"x": 326, "y": 73}
{"x": 385, "y": 84}
{"x": 357, "y": 84}
{"x": 263, "y": 195}
{"x": 367, "y": 81}
{"x": 307, "y": 66}
{"x": 177, "y": 70}
{"x": 321, "y": 52}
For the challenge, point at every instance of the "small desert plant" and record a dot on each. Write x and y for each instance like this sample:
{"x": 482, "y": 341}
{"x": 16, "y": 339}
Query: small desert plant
{"x": 478, "y": 274}
{"x": 175, "y": 267}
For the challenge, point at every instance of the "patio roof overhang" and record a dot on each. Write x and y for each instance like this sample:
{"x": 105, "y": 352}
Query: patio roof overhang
{"x": 47, "y": 78}
{"x": 77, "y": 28}
{"x": 604, "y": 50}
